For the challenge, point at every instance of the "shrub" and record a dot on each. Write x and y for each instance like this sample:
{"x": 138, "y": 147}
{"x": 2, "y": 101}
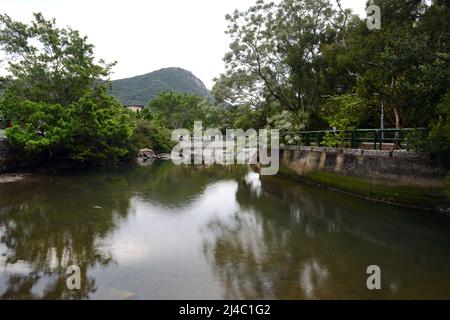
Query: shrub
{"x": 437, "y": 140}
{"x": 150, "y": 134}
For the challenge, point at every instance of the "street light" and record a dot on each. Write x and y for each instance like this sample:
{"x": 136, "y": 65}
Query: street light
{"x": 382, "y": 66}
{"x": 382, "y": 114}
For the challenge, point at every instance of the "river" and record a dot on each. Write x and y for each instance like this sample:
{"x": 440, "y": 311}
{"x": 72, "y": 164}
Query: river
{"x": 184, "y": 232}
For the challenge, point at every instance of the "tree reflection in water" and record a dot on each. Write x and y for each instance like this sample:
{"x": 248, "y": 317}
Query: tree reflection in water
{"x": 257, "y": 259}
{"x": 211, "y": 232}
{"x": 292, "y": 242}
{"x": 42, "y": 234}
{"x": 49, "y": 222}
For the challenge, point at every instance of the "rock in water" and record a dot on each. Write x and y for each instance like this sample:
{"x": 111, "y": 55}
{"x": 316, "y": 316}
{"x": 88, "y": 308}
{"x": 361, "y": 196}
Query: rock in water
{"x": 146, "y": 154}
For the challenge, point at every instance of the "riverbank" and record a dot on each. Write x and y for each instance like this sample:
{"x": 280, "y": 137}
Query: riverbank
{"x": 393, "y": 177}
{"x": 15, "y": 163}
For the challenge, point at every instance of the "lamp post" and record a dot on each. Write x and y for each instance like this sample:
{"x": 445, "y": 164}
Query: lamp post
{"x": 382, "y": 105}
{"x": 382, "y": 118}
{"x": 382, "y": 114}
{"x": 382, "y": 94}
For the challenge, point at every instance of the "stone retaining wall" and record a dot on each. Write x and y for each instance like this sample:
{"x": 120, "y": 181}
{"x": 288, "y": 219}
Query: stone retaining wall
{"x": 394, "y": 167}
{"x": 395, "y": 176}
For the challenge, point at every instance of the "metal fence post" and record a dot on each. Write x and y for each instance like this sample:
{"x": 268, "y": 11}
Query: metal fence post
{"x": 354, "y": 143}
{"x": 375, "y": 139}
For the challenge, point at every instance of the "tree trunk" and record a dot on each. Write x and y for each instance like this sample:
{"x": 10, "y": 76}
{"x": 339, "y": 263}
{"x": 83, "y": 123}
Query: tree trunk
{"x": 396, "y": 115}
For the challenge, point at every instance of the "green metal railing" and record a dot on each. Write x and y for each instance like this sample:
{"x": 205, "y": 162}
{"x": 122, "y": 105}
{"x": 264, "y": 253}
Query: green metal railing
{"x": 350, "y": 138}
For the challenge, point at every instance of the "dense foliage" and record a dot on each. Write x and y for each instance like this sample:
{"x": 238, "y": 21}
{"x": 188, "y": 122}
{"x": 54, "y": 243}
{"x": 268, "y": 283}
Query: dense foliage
{"x": 325, "y": 66}
{"x": 176, "y": 110}
{"x": 55, "y": 95}
{"x": 153, "y": 135}
{"x": 292, "y": 65}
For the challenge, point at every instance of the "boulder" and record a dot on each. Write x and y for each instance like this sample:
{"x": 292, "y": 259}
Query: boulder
{"x": 146, "y": 154}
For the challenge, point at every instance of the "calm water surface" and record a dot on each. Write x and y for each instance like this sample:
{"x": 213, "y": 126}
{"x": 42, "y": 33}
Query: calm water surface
{"x": 170, "y": 232}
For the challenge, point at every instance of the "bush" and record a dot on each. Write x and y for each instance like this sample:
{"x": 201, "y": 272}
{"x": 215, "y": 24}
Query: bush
{"x": 95, "y": 128}
{"x": 334, "y": 140}
{"x": 344, "y": 112}
{"x": 437, "y": 140}
{"x": 150, "y": 134}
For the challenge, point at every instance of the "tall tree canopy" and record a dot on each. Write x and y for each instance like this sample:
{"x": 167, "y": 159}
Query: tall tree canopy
{"x": 55, "y": 94}
{"x": 276, "y": 53}
{"x": 299, "y": 51}
{"x": 177, "y": 110}
{"x": 315, "y": 60}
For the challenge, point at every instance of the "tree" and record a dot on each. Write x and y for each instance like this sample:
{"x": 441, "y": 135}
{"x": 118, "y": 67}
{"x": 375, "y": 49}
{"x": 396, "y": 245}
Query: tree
{"x": 55, "y": 94}
{"x": 94, "y": 128}
{"x": 275, "y": 53}
{"x": 151, "y": 134}
{"x": 408, "y": 61}
{"x": 300, "y": 52}
{"x": 437, "y": 139}
{"x": 344, "y": 112}
{"x": 179, "y": 110}
{"x": 49, "y": 64}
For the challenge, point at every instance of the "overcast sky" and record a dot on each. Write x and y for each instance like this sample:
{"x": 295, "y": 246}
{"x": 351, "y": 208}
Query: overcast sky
{"x": 146, "y": 35}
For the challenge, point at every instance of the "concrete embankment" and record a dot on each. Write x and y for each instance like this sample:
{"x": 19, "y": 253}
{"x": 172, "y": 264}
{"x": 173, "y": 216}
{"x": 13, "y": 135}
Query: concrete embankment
{"x": 397, "y": 177}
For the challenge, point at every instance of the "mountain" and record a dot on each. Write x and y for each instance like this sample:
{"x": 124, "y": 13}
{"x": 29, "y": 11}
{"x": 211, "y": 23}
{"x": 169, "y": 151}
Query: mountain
{"x": 140, "y": 90}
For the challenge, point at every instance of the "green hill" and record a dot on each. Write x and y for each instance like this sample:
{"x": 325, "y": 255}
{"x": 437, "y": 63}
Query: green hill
{"x": 140, "y": 90}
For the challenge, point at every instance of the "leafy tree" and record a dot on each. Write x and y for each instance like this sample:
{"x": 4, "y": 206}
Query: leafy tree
{"x": 179, "y": 110}
{"x": 151, "y": 134}
{"x": 407, "y": 63}
{"x": 219, "y": 116}
{"x": 300, "y": 52}
{"x": 344, "y": 112}
{"x": 94, "y": 128}
{"x": 55, "y": 95}
{"x": 288, "y": 120}
{"x": 248, "y": 118}
{"x": 275, "y": 53}
{"x": 100, "y": 127}
{"x": 437, "y": 139}
{"x": 48, "y": 64}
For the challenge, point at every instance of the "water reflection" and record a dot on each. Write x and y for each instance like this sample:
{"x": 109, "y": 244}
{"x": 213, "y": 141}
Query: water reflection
{"x": 302, "y": 243}
{"x": 252, "y": 180}
{"x": 183, "y": 232}
{"x": 47, "y": 226}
